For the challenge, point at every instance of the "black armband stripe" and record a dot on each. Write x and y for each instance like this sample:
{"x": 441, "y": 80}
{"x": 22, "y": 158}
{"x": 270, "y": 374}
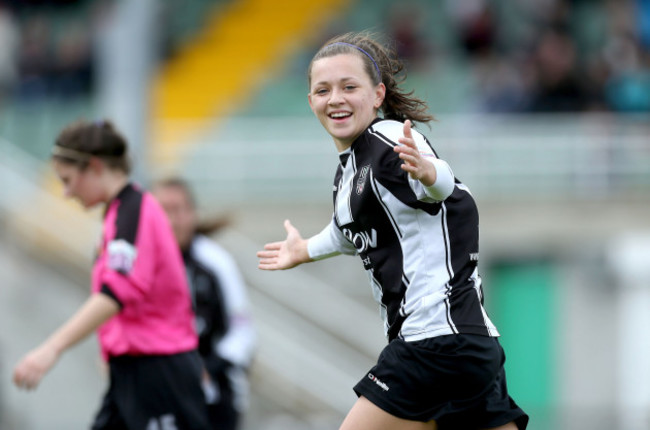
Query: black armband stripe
{"x": 107, "y": 291}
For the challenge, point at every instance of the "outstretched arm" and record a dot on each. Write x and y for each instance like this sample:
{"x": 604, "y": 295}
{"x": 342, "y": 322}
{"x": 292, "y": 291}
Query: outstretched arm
{"x": 285, "y": 254}
{"x": 33, "y": 367}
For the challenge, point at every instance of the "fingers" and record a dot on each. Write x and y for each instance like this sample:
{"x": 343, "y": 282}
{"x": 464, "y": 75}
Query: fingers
{"x": 267, "y": 254}
{"x": 409, "y": 157}
{"x": 26, "y": 384}
{"x": 407, "y": 129}
{"x": 277, "y": 255}
{"x": 268, "y": 266}
{"x": 268, "y": 257}
{"x": 273, "y": 245}
{"x": 268, "y": 263}
{"x": 18, "y": 379}
{"x": 408, "y": 151}
{"x": 407, "y": 141}
{"x": 289, "y": 227}
{"x": 407, "y": 138}
{"x": 26, "y": 380}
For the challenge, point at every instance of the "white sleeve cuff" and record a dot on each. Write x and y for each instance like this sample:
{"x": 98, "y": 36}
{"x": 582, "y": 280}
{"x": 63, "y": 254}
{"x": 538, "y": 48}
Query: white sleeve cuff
{"x": 444, "y": 185}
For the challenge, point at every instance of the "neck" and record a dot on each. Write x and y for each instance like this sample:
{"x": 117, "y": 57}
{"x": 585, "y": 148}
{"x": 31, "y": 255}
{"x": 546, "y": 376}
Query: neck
{"x": 115, "y": 182}
{"x": 341, "y": 146}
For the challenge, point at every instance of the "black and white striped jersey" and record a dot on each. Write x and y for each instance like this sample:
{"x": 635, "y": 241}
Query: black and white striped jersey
{"x": 421, "y": 254}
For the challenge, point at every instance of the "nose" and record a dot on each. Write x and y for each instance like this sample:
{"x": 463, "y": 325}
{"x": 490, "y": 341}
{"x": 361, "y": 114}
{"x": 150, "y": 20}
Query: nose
{"x": 336, "y": 97}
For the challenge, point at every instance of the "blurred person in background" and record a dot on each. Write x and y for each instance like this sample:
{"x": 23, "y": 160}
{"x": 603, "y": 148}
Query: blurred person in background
{"x": 139, "y": 302}
{"x": 73, "y": 72}
{"x": 35, "y": 59}
{"x": 557, "y": 85}
{"x": 415, "y": 227}
{"x": 627, "y": 56}
{"x": 223, "y": 320}
{"x": 9, "y": 38}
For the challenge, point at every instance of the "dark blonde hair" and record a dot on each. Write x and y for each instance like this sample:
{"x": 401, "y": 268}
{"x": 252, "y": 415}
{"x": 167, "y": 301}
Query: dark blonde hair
{"x": 382, "y": 65}
{"x": 81, "y": 140}
{"x": 206, "y": 227}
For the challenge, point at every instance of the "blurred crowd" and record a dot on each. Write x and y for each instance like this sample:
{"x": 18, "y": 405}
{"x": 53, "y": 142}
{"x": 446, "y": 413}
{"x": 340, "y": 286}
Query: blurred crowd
{"x": 522, "y": 55}
{"x": 45, "y": 50}
{"x": 541, "y": 55}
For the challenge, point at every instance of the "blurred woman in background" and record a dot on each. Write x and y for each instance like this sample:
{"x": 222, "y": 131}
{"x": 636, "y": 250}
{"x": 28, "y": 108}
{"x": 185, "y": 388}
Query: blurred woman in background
{"x": 139, "y": 303}
{"x": 218, "y": 290}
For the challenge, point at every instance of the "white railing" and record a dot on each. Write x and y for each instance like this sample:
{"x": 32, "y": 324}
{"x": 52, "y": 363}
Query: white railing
{"x": 498, "y": 157}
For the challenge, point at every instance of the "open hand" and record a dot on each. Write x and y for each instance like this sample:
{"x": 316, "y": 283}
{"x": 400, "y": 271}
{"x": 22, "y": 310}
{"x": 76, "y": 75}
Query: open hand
{"x": 284, "y": 254}
{"x": 414, "y": 163}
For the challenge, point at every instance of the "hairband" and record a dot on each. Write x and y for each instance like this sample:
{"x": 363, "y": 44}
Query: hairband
{"x": 360, "y": 49}
{"x": 73, "y": 154}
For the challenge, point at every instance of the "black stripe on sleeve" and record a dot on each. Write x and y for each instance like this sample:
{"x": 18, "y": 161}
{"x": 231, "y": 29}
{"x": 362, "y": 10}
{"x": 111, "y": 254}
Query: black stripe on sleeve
{"x": 128, "y": 214}
{"x": 107, "y": 291}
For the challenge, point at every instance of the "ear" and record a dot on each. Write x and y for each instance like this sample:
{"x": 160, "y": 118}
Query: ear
{"x": 380, "y": 94}
{"x": 96, "y": 165}
{"x": 309, "y": 99}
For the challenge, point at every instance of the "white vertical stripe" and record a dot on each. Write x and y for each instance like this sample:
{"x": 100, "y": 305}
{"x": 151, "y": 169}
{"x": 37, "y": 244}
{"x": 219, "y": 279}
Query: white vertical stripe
{"x": 424, "y": 265}
{"x": 450, "y": 269}
{"x": 491, "y": 328}
{"x": 380, "y": 198}
{"x": 343, "y": 209}
{"x": 378, "y": 295}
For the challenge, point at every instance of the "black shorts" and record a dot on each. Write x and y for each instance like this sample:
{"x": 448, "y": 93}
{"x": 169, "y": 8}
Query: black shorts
{"x": 157, "y": 392}
{"x": 456, "y": 380}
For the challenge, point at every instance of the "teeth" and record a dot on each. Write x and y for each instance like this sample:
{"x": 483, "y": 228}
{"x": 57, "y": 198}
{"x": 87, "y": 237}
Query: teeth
{"x": 339, "y": 115}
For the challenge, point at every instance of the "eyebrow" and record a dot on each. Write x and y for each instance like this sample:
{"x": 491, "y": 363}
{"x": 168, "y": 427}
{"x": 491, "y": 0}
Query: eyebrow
{"x": 340, "y": 80}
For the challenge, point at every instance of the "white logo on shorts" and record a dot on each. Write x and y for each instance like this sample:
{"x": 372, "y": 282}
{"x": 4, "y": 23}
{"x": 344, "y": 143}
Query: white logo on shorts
{"x": 377, "y": 381}
{"x": 164, "y": 422}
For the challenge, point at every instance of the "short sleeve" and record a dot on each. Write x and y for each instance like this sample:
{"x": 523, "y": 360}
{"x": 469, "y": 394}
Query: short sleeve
{"x": 131, "y": 253}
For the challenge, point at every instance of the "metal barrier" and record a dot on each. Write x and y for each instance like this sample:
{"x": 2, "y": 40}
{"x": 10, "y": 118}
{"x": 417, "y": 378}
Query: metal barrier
{"x": 499, "y": 157}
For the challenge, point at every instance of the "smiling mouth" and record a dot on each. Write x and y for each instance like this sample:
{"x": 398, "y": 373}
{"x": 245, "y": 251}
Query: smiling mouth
{"x": 340, "y": 115}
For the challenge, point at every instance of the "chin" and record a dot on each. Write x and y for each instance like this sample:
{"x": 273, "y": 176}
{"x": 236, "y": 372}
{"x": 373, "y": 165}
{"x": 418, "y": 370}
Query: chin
{"x": 345, "y": 140}
{"x": 89, "y": 205}
{"x": 346, "y": 135}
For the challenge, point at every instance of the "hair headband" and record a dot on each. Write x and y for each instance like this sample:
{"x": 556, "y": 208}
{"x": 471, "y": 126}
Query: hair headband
{"x": 361, "y": 50}
{"x": 72, "y": 154}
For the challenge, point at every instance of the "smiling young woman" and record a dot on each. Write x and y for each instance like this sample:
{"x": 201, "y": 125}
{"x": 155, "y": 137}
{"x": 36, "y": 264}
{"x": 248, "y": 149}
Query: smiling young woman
{"x": 415, "y": 226}
{"x": 343, "y": 102}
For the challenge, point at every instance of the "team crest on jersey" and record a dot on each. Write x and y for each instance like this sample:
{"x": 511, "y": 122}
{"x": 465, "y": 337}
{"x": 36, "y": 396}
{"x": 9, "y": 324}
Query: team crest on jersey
{"x": 361, "y": 182}
{"x": 121, "y": 255}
